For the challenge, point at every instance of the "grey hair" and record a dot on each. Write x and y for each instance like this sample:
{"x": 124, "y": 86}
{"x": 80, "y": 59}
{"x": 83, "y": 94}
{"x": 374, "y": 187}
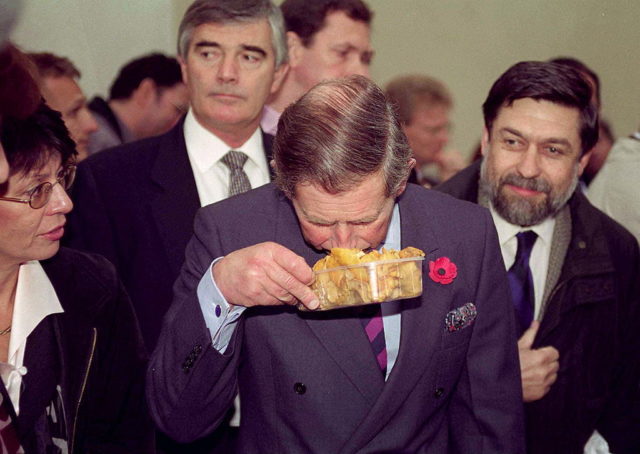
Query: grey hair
{"x": 224, "y": 11}
{"x": 336, "y": 135}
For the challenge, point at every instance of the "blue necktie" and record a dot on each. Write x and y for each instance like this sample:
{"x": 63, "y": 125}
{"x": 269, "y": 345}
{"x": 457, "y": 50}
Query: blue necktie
{"x": 521, "y": 281}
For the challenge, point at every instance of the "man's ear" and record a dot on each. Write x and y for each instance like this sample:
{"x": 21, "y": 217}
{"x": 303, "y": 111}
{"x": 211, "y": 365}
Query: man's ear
{"x": 583, "y": 161}
{"x": 146, "y": 92}
{"x": 295, "y": 47}
{"x": 278, "y": 77}
{"x": 183, "y": 70}
{"x": 484, "y": 143}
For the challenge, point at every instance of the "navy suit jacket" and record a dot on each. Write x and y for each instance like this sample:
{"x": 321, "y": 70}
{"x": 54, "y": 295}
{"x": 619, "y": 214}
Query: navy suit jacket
{"x": 135, "y": 204}
{"x": 309, "y": 381}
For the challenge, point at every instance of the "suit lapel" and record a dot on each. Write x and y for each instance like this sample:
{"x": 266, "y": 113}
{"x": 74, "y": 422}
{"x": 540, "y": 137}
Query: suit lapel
{"x": 175, "y": 205}
{"x": 422, "y": 329}
{"x": 339, "y": 331}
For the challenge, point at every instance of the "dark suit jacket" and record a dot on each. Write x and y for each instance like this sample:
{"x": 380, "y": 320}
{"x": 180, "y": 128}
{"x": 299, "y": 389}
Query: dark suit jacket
{"x": 592, "y": 317}
{"x": 135, "y": 205}
{"x": 309, "y": 381}
{"x": 94, "y": 350}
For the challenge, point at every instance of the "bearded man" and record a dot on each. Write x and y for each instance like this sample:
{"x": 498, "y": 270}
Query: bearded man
{"x": 573, "y": 271}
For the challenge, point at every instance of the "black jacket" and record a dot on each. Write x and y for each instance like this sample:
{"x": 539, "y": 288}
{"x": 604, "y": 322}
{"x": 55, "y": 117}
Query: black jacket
{"x": 97, "y": 350}
{"x": 135, "y": 204}
{"x": 592, "y": 318}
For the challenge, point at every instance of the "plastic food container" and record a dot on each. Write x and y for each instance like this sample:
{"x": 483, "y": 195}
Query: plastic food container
{"x": 372, "y": 282}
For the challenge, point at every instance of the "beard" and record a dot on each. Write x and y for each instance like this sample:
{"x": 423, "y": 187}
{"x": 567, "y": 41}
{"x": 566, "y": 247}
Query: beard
{"x": 519, "y": 210}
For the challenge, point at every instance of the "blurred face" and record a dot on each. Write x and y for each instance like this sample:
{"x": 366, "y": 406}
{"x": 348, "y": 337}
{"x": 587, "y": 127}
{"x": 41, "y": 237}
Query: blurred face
{"x": 230, "y": 71}
{"x": 428, "y": 132}
{"x": 64, "y": 95}
{"x": 167, "y": 107}
{"x": 357, "y": 218}
{"x": 341, "y": 48}
{"x": 28, "y": 234}
{"x": 532, "y": 160}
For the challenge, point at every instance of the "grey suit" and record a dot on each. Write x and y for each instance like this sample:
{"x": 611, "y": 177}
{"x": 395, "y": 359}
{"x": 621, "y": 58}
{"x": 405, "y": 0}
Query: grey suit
{"x": 309, "y": 382}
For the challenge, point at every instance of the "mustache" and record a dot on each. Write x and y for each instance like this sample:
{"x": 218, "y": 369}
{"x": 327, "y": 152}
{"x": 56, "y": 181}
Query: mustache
{"x": 532, "y": 184}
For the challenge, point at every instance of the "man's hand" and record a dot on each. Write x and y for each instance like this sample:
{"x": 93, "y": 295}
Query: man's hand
{"x": 265, "y": 274}
{"x": 539, "y": 367}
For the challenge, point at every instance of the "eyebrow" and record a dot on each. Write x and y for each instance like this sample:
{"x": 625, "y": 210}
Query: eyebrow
{"x": 247, "y": 47}
{"x": 315, "y": 220}
{"x": 558, "y": 140}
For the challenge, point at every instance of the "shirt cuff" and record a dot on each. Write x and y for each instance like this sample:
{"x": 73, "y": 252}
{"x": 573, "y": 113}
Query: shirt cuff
{"x": 220, "y": 317}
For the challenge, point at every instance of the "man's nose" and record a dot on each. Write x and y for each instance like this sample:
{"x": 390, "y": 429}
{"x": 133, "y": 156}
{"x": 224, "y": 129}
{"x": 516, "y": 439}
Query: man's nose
{"x": 528, "y": 166}
{"x": 228, "y": 69}
{"x": 343, "y": 237}
{"x": 89, "y": 122}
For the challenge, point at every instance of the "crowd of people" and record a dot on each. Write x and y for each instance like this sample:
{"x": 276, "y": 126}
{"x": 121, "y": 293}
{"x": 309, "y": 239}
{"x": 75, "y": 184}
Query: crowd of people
{"x": 157, "y": 245}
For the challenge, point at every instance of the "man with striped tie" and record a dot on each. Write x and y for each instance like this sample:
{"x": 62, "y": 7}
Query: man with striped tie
{"x": 430, "y": 374}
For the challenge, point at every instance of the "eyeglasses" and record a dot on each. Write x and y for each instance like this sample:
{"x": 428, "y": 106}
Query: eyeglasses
{"x": 41, "y": 194}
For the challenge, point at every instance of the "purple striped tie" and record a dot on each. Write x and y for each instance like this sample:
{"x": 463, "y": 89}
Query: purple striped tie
{"x": 372, "y": 322}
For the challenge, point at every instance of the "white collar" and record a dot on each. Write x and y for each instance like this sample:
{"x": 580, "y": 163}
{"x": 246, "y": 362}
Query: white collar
{"x": 506, "y": 230}
{"x": 205, "y": 149}
{"x": 35, "y": 299}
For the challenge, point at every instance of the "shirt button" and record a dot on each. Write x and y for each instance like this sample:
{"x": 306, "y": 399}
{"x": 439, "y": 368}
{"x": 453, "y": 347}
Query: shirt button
{"x": 300, "y": 388}
{"x": 218, "y": 310}
{"x": 439, "y": 392}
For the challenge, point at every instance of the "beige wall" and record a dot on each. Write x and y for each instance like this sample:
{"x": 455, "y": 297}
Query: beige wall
{"x": 465, "y": 43}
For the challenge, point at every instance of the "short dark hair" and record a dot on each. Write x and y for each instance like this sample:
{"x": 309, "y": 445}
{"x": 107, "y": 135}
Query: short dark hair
{"x": 583, "y": 69}
{"x": 52, "y": 65}
{"x": 31, "y": 142}
{"x": 229, "y": 11}
{"x": 306, "y": 18}
{"x": 337, "y": 134}
{"x": 163, "y": 70}
{"x": 411, "y": 91}
{"x": 545, "y": 81}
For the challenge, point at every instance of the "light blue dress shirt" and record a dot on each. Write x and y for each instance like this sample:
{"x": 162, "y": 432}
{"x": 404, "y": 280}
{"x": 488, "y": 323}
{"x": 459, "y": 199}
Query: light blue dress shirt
{"x": 221, "y": 317}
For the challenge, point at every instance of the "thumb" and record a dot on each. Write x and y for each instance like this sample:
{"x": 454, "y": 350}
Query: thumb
{"x": 526, "y": 341}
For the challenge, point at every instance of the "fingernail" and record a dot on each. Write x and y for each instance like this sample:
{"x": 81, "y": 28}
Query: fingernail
{"x": 314, "y": 304}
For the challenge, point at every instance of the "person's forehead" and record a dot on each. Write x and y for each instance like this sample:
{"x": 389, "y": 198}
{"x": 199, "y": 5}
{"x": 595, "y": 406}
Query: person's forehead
{"x": 234, "y": 34}
{"x": 434, "y": 111}
{"x": 61, "y": 92}
{"x": 541, "y": 112}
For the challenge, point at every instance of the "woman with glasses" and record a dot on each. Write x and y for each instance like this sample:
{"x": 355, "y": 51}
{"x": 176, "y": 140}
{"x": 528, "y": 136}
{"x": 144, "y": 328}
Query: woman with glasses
{"x": 71, "y": 356}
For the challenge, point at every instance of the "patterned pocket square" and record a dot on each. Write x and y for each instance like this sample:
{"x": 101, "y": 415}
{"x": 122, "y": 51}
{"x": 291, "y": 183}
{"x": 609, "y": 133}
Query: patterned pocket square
{"x": 460, "y": 318}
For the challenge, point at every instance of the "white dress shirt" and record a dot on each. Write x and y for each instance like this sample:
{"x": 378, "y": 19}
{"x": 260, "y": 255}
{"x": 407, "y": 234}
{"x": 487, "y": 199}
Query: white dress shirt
{"x": 205, "y": 152}
{"x": 35, "y": 299}
{"x": 539, "y": 259}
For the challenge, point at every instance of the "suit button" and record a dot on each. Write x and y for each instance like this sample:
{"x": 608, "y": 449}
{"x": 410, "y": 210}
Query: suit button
{"x": 300, "y": 388}
{"x": 438, "y": 392}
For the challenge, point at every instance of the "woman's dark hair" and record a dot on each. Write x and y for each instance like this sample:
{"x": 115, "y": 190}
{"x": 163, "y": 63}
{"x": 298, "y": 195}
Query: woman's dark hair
{"x": 31, "y": 142}
{"x": 547, "y": 81}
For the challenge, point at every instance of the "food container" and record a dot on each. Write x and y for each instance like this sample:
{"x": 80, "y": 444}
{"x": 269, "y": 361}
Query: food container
{"x": 371, "y": 282}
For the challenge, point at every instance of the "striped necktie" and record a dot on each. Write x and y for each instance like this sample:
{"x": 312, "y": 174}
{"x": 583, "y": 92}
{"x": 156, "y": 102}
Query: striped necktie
{"x": 521, "y": 280}
{"x": 371, "y": 319}
{"x": 238, "y": 179}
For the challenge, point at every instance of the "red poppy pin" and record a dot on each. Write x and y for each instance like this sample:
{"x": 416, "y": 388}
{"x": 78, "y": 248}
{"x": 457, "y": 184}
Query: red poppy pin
{"x": 443, "y": 270}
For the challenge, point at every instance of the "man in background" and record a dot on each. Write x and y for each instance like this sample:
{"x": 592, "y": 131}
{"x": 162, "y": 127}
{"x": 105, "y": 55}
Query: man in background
{"x": 574, "y": 272}
{"x": 60, "y": 89}
{"x": 135, "y": 203}
{"x": 327, "y": 39}
{"x": 424, "y": 105}
{"x": 146, "y": 99}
